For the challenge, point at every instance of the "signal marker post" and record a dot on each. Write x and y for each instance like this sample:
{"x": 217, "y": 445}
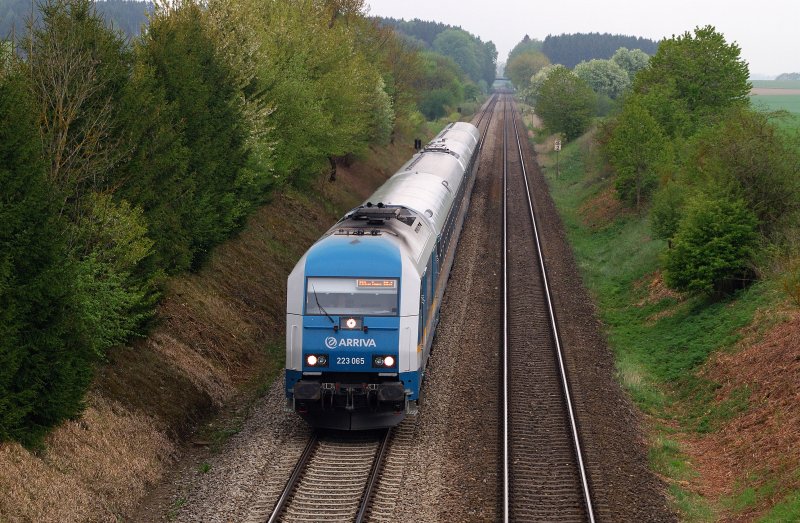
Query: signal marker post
{"x": 558, "y": 149}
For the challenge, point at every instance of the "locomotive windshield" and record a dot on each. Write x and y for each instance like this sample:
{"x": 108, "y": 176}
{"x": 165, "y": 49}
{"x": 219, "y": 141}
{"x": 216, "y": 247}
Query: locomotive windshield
{"x": 350, "y": 296}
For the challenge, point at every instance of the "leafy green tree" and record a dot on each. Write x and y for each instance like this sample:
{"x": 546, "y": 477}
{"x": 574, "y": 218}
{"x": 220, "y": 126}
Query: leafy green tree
{"x": 460, "y": 46}
{"x": 436, "y": 103}
{"x": 401, "y": 67}
{"x": 441, "y": 86}
{"x": 714, "y": 246}
{"x": 113, "y": 303}
{"x": 604, "y": 77}
{"x": 78, "y": 69}
{"x": 667, "y": 210}
{"x": 631, "y": 60}
{"x": 526, "y": 45}
{"x": 565, "y": 103}
{"x": 79, "y": 74}
{"x": 523, "y": 66}
{"x": 702, "y": 70}
{"x": 637, "y": 150}
{"x": 179, "y": 49}
{"x": 45, "y": 360}
{"x": 755, "y": 161}
{"x": 317, "y": 77}
{"x": 532, "y": 92}
{"x": 156, "y": 173}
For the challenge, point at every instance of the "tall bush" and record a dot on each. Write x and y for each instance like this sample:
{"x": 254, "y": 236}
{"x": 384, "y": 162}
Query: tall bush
{"x": 713, "y": 247}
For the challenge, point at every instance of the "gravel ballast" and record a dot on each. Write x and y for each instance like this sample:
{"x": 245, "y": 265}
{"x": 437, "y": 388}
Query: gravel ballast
{"x": 451, "y": 462}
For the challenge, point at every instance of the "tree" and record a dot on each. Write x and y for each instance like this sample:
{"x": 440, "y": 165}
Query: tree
{"x": 667, "y": 210}
{"x": 532, "y": 92}
{"x": 441, "y": 85}
{"x": 78, "y": 72}
{"x": 702, "y": 70}
{"x": 604, "y": 77}
{"x": 184, "y": 58}
{"x": 45, "y": 360}
{"x": 458, "y": 45}
{"x": 77, "y": 69}
{"x": 631, "y": 60}
{"x": 526, "y": 45}
{"x": 637, "y": 150}
{"x": 156, "y": 172}
{"x": 713, "y": 247}
{"x": 755, "y": 162}
{"x": 571, "y": 49}
{"x": 565, "y": 103}
{"x": 523, "y": 66}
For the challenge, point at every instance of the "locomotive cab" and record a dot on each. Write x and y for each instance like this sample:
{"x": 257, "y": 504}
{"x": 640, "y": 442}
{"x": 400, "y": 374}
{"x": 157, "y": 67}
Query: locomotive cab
{"x": 345, "y": 337}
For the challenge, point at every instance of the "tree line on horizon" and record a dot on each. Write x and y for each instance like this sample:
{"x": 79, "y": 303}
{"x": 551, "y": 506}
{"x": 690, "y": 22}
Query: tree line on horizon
{"x": 128, "y": 16}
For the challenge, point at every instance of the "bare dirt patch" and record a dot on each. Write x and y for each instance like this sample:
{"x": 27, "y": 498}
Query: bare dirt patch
{"x": 657, "y": 290}
{"x": 761, "y": 444}
{"x": 764, "y": 91}
{"x": 602, "y": 210}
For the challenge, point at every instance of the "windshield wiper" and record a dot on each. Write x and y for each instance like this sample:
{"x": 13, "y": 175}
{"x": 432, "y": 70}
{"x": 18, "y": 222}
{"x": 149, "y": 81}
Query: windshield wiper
{"x": 319, "y": 305}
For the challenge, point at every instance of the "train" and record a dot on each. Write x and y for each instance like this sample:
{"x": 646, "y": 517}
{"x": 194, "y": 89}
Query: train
{"x": 363, "y": 301}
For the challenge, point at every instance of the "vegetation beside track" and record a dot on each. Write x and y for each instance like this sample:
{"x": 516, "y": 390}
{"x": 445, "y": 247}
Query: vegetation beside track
{"x": 665, "y": 342}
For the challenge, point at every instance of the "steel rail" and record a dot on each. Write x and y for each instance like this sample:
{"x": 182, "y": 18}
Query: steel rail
{"x": 506, "y": 479}
{"x": 293, "y": 479}
{"x": 554, "y": 327}
{"x": 377, "y": 467}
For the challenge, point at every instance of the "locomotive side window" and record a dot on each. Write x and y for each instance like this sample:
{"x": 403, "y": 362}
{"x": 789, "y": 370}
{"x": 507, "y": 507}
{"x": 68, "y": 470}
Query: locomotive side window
{"x": 352, "y": 296}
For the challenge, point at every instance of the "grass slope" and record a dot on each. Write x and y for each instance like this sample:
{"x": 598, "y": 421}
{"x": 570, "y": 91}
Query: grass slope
{"x": 661, "y": 339}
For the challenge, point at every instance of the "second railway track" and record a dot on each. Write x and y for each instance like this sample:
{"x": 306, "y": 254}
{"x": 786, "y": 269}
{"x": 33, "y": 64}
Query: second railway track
{"x": 545, "y": 479}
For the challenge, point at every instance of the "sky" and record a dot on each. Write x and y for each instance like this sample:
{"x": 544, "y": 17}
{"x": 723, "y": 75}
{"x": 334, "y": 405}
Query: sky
{"x": 767, "y": 32}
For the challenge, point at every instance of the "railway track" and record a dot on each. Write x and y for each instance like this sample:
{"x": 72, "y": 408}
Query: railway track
{"x": 334, "y": 479}
{"x": 348, "y": 477}
{"x": 544, "y": 478}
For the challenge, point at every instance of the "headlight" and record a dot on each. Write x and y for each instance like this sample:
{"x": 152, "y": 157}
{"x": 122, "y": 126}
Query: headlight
{"x": 317, "y": 360}
{"x": 383, "y": 361}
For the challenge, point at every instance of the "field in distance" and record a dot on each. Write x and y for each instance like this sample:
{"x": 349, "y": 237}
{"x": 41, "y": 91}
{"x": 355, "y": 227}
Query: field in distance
{"x": 774, "y": 95}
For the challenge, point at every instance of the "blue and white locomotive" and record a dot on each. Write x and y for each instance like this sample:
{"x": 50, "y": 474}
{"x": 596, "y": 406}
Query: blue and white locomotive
{"x": 363, "y": 302}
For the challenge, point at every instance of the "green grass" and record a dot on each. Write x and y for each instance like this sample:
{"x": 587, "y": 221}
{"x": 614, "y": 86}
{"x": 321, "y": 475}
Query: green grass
{"x": 785, "y": 511}
{"x": 785, "y": 102}
{"x": 749, "y": 494}
{"x": 773, "y": 84}
{"x": 658, "y": 344}
{"x": 789, "y": 103}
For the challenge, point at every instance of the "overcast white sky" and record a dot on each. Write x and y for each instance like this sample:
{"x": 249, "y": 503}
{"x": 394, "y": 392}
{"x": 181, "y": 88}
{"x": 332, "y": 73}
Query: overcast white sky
{"x": 768, "y": 31}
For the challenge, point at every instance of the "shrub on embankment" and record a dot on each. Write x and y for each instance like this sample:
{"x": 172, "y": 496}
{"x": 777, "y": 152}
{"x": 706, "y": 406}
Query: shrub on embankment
{"x": 705, "y": 201}
{"x": 723, "y": 179}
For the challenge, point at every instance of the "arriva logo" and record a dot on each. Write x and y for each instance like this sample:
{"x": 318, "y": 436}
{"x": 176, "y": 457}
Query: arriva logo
{"x": 332, "y": 342}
